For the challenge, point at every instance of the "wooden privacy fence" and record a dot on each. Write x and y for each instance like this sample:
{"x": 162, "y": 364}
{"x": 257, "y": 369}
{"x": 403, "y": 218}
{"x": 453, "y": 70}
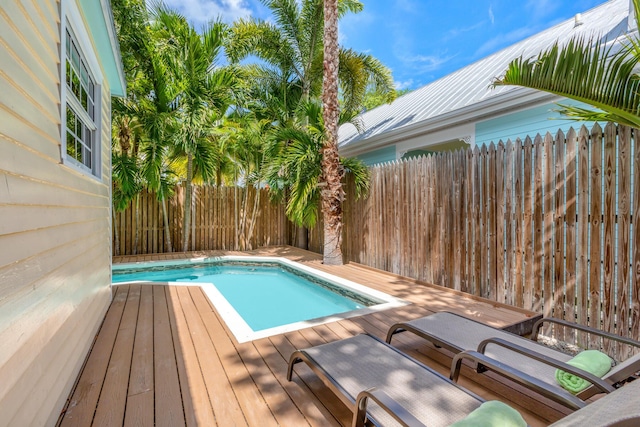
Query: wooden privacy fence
{"x": 547, "y": 225}
{"x": 227, "y": 218}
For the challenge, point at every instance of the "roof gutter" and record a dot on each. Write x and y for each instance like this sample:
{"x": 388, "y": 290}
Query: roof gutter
{"x": 491, "y": 107}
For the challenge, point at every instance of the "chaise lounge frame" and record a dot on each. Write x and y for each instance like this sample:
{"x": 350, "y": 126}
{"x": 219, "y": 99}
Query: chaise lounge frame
{"x": 515, "y": 344}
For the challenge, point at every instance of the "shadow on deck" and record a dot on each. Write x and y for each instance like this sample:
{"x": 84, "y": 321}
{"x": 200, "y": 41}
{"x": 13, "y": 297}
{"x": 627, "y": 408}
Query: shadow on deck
{"x": 163, "y": 356}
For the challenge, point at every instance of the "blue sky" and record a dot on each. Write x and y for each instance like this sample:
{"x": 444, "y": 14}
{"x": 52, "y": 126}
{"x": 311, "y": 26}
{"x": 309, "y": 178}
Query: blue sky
{"x": 420, "y": 40}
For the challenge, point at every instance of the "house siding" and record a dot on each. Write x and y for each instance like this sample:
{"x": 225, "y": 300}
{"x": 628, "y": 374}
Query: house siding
{"x": 383, "y": 155}
{"x": 54, "y": 225}
{"x": 529, "y": 122}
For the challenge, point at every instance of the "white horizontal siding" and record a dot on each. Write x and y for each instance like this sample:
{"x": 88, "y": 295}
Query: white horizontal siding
{"x": 54, "y": 225}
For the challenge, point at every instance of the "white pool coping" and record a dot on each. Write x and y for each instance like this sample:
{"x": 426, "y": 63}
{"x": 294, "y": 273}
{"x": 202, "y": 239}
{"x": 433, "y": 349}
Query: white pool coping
{"x": 236, "y": 324}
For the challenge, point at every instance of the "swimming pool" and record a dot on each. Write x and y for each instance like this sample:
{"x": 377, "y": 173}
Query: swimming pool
{"x": 263, "y": 296}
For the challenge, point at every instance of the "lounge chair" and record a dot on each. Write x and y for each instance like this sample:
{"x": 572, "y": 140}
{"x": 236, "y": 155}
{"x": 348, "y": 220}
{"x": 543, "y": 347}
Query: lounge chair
{"x": 621, "y": 408}
{"x": 384, "y": 385}
{"x": 525, "y": 358}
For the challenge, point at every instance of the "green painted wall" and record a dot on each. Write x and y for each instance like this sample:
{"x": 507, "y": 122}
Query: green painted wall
{"x": 528, "y": 122}
{"x": 382, "y": 155}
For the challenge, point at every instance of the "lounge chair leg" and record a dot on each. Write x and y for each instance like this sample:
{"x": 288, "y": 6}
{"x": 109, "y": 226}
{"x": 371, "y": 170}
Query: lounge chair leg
{"x": 292, "y": 361}
{"x": 394, "y": 330}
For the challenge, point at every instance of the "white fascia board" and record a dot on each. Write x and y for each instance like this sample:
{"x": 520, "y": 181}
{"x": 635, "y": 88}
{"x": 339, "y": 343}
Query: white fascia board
{"x": 115, "y": 44}
{"x": 511, "y": 101}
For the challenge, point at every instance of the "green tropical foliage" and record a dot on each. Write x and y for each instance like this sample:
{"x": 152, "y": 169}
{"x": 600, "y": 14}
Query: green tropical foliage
{"x": 295, "y": 167}
{"x": 290, "y": 49}
{"x": 187, "y": 118}
{"x": 585, "y": 70}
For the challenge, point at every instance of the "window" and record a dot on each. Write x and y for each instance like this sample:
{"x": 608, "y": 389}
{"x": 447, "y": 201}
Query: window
{"x": 81, "y": 144}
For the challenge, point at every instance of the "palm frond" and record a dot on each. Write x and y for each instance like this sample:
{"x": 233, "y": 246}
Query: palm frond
{"x": 584, "y": 71}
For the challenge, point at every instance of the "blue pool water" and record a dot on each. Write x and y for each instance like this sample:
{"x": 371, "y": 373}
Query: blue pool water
{"x": 264, "y": 295}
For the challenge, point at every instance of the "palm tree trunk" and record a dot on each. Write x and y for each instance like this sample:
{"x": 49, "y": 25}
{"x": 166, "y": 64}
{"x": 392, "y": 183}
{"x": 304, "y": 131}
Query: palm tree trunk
{"x": 165, "y": 219}
{"x": 186, "y": 220}
{"x": 116, "y": 234}
{"x": 137, "y": 233}
{"x": 332, "y": 193}
{"x": 235, "y": 214}
{"x": 254, "y": 214}
{"x": 243, "y": 222}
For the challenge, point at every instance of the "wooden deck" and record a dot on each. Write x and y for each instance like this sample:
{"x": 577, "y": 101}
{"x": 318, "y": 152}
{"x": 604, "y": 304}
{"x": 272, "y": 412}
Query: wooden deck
{"x": 163, "y": 356}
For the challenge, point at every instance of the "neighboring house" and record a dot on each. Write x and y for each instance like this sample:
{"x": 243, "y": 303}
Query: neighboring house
{"x": 462, "y": 110}
{"x": 59, "y": 66}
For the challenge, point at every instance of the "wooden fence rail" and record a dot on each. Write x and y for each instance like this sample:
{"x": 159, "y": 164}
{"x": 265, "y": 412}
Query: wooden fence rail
{"x": 222, "y": 218}
{"x": 544, "y": 224}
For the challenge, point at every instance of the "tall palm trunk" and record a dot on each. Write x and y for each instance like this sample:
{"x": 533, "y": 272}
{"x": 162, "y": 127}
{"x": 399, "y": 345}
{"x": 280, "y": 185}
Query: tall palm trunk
{"x": 138, "y": 221}
{"x": 116, "y": 233}
{"x": 165, "y": 220}
{"x": 186, "y": 220}
{"x": 332, "y": 193}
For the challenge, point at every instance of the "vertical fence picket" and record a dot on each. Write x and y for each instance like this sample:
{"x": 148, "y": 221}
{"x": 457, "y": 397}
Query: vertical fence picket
{"x": 517, "y": 298}
{"x": 509, "y": 222}
{"x": 609, "y": 222}
{"x": 558, "y": 257}
{"x": 492, "y": 224}
{"x": 477, "y": 218}
{"x": 635, "y": 270}
{"x": 570, "y": 234}
{"x": 527, "y": 242}
{"x": 538, "y": 202}
{"x": 582, "y": 245}
{"x": 549, "y": 232}
{"x": 595, "y": 232}
{"x": 624, "y": 230}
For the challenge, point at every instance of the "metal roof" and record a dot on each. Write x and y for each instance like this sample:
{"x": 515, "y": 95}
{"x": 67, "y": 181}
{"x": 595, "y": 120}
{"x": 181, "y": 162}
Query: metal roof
{"x": 470, "y": 85}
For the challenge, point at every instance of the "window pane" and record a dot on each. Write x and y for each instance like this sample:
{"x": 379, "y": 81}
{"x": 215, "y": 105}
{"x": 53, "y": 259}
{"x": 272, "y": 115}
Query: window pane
{"x": 71, "y": 119}
{"x": 75, "y": 57}
{"x": 68, "y": 73}
{"x": 84, "y": 75}
{"x": 76, "y": 84}
{"x": 79, "y": 155}
{"x": 92, "y": 90}
{"x": 83, "y": 99}
{"x": 71, "y": 145}
{"x": 79, "y": 130}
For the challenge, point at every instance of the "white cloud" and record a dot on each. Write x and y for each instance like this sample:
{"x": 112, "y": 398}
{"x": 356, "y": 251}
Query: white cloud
{"x": 492, "y": 18}
{"x": 407, "y": 84}
{"x": 421, "y": 64}
{"x": 456, "y": 32}
{"x": 202, "y": 11}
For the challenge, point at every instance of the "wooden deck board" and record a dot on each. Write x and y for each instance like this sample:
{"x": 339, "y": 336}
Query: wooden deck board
{"x": 82, "y": 404}
{"x": 164, "y": 356}
{"x": 197, "y": 405}
{"x": 168, "y": 407}
{"x": 140, "y": 398}
{"x": 113, "y": 397}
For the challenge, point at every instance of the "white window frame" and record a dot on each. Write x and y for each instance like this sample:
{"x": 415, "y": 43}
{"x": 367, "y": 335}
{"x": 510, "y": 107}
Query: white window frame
{"x": 72, "y": 21}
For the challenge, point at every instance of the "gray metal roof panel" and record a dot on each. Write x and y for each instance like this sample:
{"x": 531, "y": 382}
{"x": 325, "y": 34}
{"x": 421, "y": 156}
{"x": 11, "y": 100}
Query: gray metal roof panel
{"x": 471, "y": 84}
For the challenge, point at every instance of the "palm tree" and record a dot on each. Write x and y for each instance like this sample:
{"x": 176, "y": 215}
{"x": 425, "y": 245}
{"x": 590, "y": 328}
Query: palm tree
{"x": 204, "y": 91}
{"x": 330, "y": 183}
{"x": 291, "y": 51}
{"x": 295, "y": 157}
{"x": 584, "y": 70}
